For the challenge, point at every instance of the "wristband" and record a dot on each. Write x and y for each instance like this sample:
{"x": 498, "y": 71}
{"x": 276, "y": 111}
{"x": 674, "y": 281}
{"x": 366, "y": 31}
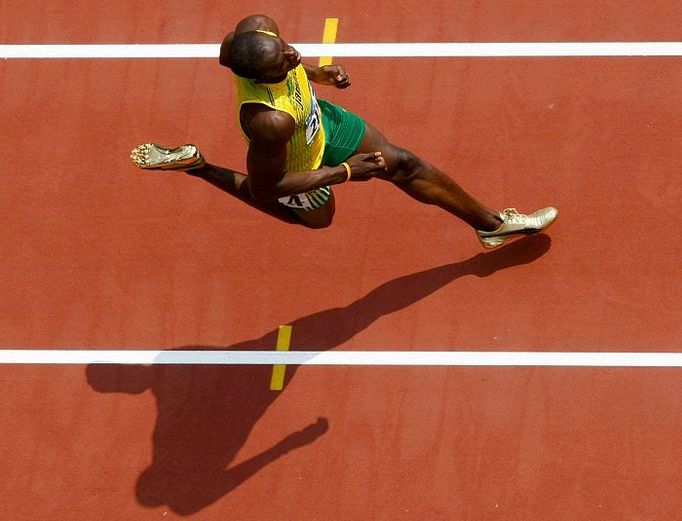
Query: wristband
{"x": 347, "y": 167}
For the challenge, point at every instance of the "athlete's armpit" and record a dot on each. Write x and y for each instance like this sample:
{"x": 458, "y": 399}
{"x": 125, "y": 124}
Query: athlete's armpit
{"x": 270, "y": 132}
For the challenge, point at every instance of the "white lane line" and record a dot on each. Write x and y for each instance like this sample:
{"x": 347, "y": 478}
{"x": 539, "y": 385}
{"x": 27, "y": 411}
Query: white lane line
{"x": 330, "y": 358}
{"x": 359, "y": 50}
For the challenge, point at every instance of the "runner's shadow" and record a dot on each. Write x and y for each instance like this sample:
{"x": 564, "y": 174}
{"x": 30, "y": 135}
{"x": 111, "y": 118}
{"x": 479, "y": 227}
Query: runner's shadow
{"x": 206, "y": 413}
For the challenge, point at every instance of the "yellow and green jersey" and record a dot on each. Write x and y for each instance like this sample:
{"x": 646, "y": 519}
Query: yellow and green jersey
{"x": 296, "y": 97}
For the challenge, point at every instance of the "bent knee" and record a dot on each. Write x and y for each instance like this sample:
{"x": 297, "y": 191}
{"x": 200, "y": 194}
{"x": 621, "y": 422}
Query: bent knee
{"x": 406, "y": 166}
{"x": 318, "y": 218}
{"x": 317, "y": 225}
{"x": 317, "y": 222}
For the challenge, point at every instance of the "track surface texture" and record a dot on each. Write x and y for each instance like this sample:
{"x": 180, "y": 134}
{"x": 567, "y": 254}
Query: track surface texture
{"x": 100, "y": 255}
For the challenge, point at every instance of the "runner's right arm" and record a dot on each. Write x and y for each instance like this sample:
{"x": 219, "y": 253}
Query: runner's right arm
{"x": 270, "y": 132}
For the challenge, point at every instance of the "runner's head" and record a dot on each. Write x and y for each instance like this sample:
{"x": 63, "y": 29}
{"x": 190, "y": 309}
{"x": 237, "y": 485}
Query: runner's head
{"x": 262, "y": 57}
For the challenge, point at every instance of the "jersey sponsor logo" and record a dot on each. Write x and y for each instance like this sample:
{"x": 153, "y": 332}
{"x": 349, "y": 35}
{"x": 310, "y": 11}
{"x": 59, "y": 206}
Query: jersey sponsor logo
{"x": 295, "y": 93}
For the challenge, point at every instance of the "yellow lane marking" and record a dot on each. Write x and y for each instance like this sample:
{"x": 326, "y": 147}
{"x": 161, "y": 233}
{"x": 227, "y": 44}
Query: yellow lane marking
{"x": 278, "y": 370}
{"x": 331, "y": 26}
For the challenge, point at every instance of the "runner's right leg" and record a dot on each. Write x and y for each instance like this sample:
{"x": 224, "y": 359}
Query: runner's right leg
{"x": 188, "y": 158}
{"x": 234, "y": 183}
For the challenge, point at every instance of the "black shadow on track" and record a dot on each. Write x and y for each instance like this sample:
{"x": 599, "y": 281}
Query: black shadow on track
{"x": 205, "y": 412}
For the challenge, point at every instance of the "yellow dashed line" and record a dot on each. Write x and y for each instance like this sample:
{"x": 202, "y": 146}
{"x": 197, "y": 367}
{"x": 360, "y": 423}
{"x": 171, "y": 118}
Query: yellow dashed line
{"x": 331, "y": 27}
{"x": 283, "y": 342}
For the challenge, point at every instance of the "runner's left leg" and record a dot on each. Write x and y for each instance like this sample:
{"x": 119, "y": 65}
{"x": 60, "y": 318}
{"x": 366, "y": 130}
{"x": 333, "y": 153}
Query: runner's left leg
{"x": 427, "y": 184}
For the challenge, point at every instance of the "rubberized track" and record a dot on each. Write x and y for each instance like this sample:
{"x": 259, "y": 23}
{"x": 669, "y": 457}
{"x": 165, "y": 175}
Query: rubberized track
{"x": 97, "y": 255}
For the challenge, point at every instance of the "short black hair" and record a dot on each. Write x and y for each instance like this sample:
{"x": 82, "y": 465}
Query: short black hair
{"x": 247, "y": 52}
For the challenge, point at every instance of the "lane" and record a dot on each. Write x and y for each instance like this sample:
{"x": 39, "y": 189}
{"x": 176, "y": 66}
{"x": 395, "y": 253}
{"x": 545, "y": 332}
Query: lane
{"x": 408, "y": 21}
{"x": 441, "y": 443}
{"x": 100, "y": 255}
{"x": 179, "y": 263}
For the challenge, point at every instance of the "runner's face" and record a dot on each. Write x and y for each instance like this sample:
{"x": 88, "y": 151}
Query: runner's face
{"x": 281, "y": 60}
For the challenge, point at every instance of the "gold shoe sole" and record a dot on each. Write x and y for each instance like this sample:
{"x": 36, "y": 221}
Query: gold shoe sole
{"x": 151, "y": 156}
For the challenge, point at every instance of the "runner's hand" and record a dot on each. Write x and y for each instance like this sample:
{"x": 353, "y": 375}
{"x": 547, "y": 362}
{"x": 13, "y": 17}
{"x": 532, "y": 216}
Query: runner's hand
{"x": 332, "y": 75}
{"x": 364, "y": 167}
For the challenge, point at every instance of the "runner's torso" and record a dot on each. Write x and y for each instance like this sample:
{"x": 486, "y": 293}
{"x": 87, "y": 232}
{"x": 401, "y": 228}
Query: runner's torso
{"x": 296, "y": 97}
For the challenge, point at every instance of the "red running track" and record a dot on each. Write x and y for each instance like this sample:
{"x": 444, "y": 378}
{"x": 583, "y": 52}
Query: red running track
{"x": 99, "y": 255}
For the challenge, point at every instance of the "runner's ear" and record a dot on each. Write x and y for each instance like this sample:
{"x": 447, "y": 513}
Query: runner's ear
{"x": 224, "y": 58}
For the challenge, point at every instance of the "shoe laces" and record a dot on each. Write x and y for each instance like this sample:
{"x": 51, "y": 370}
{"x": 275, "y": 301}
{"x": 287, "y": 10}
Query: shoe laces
{"x": 510, "y": 215}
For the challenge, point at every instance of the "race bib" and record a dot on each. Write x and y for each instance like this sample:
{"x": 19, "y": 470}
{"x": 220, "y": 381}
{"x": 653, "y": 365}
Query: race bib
{"x": 312, "y": 122}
